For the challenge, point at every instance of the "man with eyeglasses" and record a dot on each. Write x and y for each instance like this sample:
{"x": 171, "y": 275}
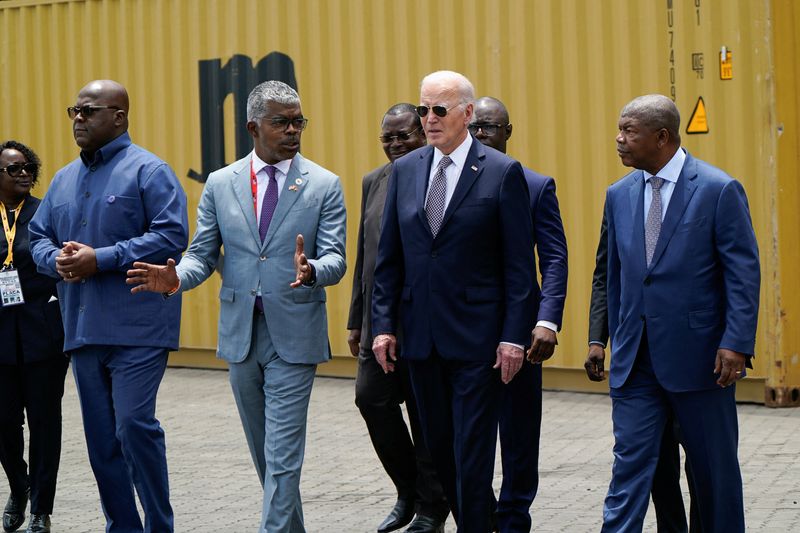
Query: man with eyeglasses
{"x": 454, "y": 273}
{"x": 521, "y": 411}
{"x": 116, "y": 204}
{"x": 379, "y": 395}
{"x": 282, "y": 221}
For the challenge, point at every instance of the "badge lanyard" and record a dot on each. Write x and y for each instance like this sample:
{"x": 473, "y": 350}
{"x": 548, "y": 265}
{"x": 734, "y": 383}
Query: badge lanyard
{"x": 11, "y": 232}
{"x": 10, "y": 286}
{"x": 254, "y": 188}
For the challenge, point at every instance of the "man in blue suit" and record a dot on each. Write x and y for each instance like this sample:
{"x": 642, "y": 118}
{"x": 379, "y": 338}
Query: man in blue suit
{"x": 683, "y": 288}
{"x": 521, "y": 411}
{"x": 455, "y": 272}
{"x": 281, "y": 219}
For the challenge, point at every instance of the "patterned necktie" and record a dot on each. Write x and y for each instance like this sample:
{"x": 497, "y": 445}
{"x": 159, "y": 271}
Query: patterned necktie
{"x": 652, "y": 227}
{"x": 269, "y": 202}
{"x": 434, "y": 207}
{"x": 267, "y": 210}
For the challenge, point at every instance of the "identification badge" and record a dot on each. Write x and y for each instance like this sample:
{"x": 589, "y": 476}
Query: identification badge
{"x": 10, "y": 288}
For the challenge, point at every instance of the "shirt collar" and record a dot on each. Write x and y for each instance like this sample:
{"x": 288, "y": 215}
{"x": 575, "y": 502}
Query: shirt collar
{"x": 457, "y": 156}
{"x": 107, "y": 151}
{"x": 672, "y": 169}
{"x": 259, "y": 164}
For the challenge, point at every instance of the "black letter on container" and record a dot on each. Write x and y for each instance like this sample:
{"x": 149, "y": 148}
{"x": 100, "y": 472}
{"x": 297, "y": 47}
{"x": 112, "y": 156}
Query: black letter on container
{"x": 237, "y": 78}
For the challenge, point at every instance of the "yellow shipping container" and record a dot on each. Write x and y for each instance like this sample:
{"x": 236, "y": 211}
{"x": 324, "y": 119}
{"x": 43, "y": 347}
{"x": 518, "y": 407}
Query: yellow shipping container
{"x": 563, "y": 67}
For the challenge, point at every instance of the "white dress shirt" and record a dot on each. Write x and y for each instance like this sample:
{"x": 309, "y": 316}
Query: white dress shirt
{"x": 260, "y": 168}
{"x": 453, "y": 170}
{"x": 670, "y": 173}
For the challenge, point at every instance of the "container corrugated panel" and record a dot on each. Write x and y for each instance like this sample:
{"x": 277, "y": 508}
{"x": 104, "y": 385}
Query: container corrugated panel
{"x": 563, "y": 67}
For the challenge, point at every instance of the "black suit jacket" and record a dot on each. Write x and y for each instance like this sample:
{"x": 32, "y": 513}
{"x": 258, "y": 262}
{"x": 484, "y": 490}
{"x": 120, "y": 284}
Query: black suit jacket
{"x": 373, "y": 198}
{"x": 35, "y": 325}
{"x": 598, "y": 308}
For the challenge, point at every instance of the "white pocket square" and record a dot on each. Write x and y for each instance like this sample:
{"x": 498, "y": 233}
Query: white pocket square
{"x": 52, "y": 299}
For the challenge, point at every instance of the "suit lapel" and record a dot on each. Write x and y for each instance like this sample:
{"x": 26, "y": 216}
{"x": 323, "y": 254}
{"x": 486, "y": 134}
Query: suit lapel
{"x": 423, "y": 172}
{"x": 636, "y": 196}
{"x": 296, "y": 182}
{"x": 244, "y": 195}
{"x": 684, "y": 189}
{"x": 473, "y": 166}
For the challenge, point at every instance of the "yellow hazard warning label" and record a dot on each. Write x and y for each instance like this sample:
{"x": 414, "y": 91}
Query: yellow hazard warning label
{"x": 698, "y": 122}
{"x": 725, "y": 64}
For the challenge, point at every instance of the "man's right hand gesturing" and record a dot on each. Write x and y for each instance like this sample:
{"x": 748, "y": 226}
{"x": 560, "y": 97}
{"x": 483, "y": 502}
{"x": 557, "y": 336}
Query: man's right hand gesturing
{"x": 153, "y": 278}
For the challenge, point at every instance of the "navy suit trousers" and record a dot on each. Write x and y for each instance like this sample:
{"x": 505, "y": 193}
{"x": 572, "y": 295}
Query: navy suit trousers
{"x": 458, "y": 404}
{"x": 709, "y": 430}
{"x": 117, "y": 388}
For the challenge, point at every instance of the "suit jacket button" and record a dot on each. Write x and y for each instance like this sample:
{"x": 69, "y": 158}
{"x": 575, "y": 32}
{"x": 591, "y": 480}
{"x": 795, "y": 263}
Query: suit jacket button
{"x": 646, "y": 282}
{"x": 641, "y": 317}
{"x": 434, "y": 254}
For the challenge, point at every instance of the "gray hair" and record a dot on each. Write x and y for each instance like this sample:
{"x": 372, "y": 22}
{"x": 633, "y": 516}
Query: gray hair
{"x": 462, "y": 85}
{"x": 655, "y": 111}
{"x": 269, "y": 91}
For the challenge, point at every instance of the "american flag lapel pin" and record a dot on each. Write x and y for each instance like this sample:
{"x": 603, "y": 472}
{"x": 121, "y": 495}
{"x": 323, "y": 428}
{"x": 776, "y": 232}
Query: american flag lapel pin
{"x": 474, "y": 168}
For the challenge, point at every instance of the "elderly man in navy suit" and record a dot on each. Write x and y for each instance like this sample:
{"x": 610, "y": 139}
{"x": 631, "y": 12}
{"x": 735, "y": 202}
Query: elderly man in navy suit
{"x": 454, "y": 270}
{"x": 522, "y": 398}
{"x": 683, "y": 289}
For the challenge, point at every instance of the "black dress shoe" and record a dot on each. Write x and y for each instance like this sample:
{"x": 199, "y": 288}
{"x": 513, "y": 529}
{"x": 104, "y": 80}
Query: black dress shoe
{"x": 14, "y": 513}
{"x": 425, "y": 524}
{"x": 401, "y": 514}
{"x": 40, "y": 523}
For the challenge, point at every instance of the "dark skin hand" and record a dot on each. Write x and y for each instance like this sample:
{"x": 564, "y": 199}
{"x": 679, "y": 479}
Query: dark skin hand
{"x": 76, "y": 262}
{"x": 153, "y": 278}
{"x": 543, "y": 344}
{"x": 354, "y": 341}
{"x": 729, "y": 365}
{"x": 301, "y": 264}
{"x": 594, "y": 363}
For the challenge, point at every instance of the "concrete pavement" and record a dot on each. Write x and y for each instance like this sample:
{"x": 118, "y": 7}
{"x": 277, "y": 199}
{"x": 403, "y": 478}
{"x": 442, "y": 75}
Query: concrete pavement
{"x": 214, "y": 486}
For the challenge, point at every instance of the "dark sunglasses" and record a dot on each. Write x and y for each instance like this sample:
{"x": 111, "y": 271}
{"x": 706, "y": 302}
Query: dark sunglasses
{"x": 15, "y": 169}
{"x": 281, "y": 123}
{"x": 386, "y": 139}
{"x": 438, "y": 110}
{"x": 487, "y": 128}
{"x": 87, "y": 110}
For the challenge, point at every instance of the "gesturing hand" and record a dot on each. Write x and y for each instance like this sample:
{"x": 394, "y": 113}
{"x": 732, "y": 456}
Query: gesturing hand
{"x": 301, "y": 265}
{"x": 153, "y": 278}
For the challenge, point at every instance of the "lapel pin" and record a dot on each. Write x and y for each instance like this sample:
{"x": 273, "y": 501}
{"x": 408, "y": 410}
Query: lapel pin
{"x": 474, "y": 168}
{"x": 293, "y": 188}
{"x": 298, "y": 181}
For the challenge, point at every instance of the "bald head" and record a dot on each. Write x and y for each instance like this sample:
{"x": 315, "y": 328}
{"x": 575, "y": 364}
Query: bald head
{"x": 106, "y": 114}
{"x": 109, "y": 91}
{"x": 490, "y": 124}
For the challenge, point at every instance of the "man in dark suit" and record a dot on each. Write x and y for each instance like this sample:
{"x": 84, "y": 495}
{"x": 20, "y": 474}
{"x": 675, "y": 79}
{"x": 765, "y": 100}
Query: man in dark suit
{"x": 666, "y": 490}
{"x": 379, "y": 395}
{"x": 522, "y": 398}
{"x": 683, "y": 290}
{"x": 454, "y": 267}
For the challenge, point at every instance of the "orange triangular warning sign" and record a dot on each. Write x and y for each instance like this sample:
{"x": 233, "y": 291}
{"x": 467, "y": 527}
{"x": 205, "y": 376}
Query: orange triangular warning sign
{"x": 698, "y": 123}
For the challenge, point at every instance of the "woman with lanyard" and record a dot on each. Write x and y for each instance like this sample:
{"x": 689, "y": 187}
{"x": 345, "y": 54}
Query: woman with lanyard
{"x": 32, "y": 365}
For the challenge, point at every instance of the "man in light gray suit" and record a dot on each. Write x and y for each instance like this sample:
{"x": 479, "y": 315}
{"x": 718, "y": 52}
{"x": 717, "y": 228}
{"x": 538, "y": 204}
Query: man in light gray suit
{"x": 281, "y": 219}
